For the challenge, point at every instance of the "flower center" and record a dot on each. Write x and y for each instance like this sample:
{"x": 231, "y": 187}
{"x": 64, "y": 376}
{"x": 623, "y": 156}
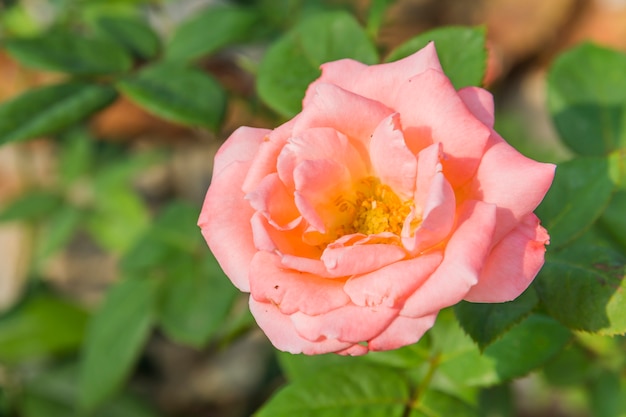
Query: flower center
{"x": 374, "y": 208}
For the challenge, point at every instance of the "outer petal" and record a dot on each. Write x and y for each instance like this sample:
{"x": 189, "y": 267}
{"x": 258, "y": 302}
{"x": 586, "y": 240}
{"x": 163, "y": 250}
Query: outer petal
{"x": 480, "y": 102}
{"x": 394, "y": 164}
{"x": 348, "y": 324}
{"x": 462, "y": 262}
{"x": 242, "y": 145}
{"x": 225, "y": 223}
{"x": 430, "y": 105}
{"x": 293, "y": 291}
{"x": 281, "y": 332}
{"x": 513, "y": 182}
{"x": 401, "y": 332}
{"x": 512, "y": 264}
{"x": 391, "y": 285}
{"x": 377, "y": 82}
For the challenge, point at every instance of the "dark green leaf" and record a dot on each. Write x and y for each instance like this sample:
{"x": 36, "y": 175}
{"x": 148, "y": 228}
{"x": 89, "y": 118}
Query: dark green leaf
{"x": 461, "y": 51}
{"x": 571, "y": 367}
{"x": 71, "y": 53}
{"x": 347, "y": 391}
{"x": 434, "y": 403}
{"x": 527, "y": 346}
{"x": 586, "y": 99}
{"x": 613, "y": 220}
{"x": 42, "y": 326}
{"x": 208, "y": 31}
{"x": 583, "y": 286}
{"x": 497, "y": 401}
{"x": 581, "y": 191}
{"x": 606, "y": 395}
{"x": 133, "y": 34}
{"x": 293, "y": 62}
{"x": 115, "y": 337}
{"x": 196, "y": 297}
{"x": 486, "y": 322}
{"x": 47, "y": 110}
{"x": 180, "y": 94}
{"x": 33, "y": 205}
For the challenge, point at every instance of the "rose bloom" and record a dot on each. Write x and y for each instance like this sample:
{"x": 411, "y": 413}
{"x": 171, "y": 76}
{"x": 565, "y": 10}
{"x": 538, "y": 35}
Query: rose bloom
{"x": 388, "y": 198}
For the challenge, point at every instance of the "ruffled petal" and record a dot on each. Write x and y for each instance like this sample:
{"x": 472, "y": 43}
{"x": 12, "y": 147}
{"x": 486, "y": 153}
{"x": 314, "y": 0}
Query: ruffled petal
{"x": 272, "y": 199}
{"x": 281, "y": 332}
{"x": 348, "y": 324}
{"x": 462, "y": 263}
{"x": 402, "y": 331}
{"x": 512, "y": 264}
{"x": 293, "y": 291}
{"x": 241, "y": 146}
{"x": 431, "y": 107}
{"x": 511, "y": 181}
{"x": 344, "y": 261}
{"x": 394, "y": 164}
{"x": 391, "y": 285}
{"x": 225, "y": 223}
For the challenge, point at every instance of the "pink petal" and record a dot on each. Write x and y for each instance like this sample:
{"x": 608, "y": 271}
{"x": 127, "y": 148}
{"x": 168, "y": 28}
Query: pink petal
{"x": 348, "y": 324}
{"x": 353, "y": 115}
{"x": 402, "y": 331}
{"x": 360, "y": 259}
{"x": 268, "y": 238}
{"x": 242, "y": 145}
{"x": 512, "y": 264}
{"x": 304, "y": 264}
{"x": 463, "y": 260}
{"x": 319, "y": 144}
{"x": 480, "y": 102}
{"x": 293, "y": 291}
{"x": 391, "y": 285}
{"x": 511, "y": 181}
{"x": 377, "y": 82}
{"x": 281, "y": 332}
{"x": 354, "y": 350}
{"x": 272, "y": 199}
{"x": 430, "y": 104}
{"x": 225, "y": 223}
{"x": 394, "y": 164}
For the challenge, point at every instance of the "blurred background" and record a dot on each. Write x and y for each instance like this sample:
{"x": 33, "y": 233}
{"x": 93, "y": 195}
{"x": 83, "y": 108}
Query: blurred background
{"x": 117, "y": 194}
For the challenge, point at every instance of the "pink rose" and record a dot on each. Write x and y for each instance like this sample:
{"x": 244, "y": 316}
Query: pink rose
{"x": 388, "y": 198}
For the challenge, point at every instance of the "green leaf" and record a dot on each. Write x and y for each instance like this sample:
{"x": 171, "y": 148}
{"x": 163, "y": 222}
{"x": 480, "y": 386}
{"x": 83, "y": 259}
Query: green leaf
{"x": 58, "y": 231}
{"x": 44, "y": 325}
{"x": 579, "y": 194}
{"x": 486, "y": 322}
{"x": 177, "y": 93}
{"x": 47, "y": 110}
{"x": 293, "y": 62}
{"x": 116, "y": 335}
{"x": 346, "y": 391}
{"x": 461, "y": 51}
{"x": 133, "y": 34}
{"x": 301, "y": 367}
{"x": 586, "y": 99}
{"x": 76, "y": 156}
{"x": 583, "y": 287}
{"x": 606, "y": 394}
{"x": 433, "y": 403}
{"x": 208, "y": 31}
{"x": 570, "y": 368}
{"x": 31, "y": 206}
{"x": 196, "y": 297}
{"x": 527, "y": 346}
{"x": 70, "y": 53}
{"x": 613, "y": 219}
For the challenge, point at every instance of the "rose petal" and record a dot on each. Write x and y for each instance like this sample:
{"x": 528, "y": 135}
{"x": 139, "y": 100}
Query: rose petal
{"x": 281, "y": 332}
{"x": 377, "y": 82}
{"x": 225, "y": 223}
{"x": 242, "y": 145}
{"x": 354, "y": 350}
{"x": 293, "y": 291}
{"x": 480, "y": 102}
{"x": 463, "y": 260}
{"x": 359, "y": 259}
{"x": 512, "y": 264}
{"x": 267, "y": 238}
{"x": 511, "y": 181}
{"x": 272, "y": 199}
{"x": 402, "y": 331}
{"x": 391, "y": 285}
{"x": 430, "y": 105}
{"x": 348, "y": 324}
{"x": 394, "y": 164}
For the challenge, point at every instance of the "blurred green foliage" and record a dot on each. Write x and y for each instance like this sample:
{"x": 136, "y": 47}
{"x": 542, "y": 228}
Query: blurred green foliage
{"x": 58, "y": 358}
